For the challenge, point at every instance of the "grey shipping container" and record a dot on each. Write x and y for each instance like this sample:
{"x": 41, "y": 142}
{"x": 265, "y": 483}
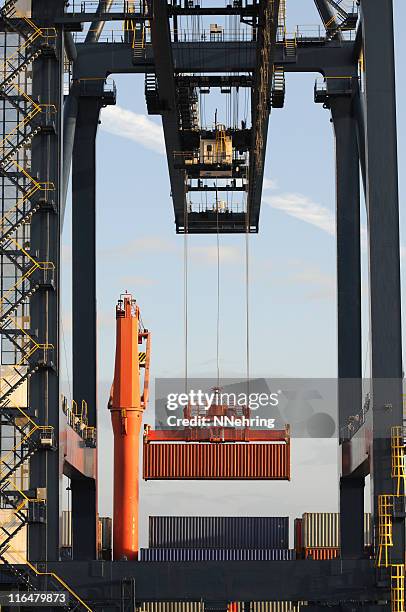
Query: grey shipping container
{"x": 211, "y": 554}
{"x": 220, "y": 532}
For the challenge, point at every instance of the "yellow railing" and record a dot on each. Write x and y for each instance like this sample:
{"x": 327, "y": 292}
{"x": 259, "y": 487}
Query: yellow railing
{"x": 35, "y": 186}
{"x": 398, "y": 587}
{"x": 8, "y": 67}
{"x": 36, "y": 265}
{"x": 290, "y": 38}
{"x": 398, "y": 458}
{"x": 8, "y": 138}
{"x": 385, "y": 529}
{"x": 27, "y": 436}
{"x": 27, "y": 350}
{"x": 77, "y": 418}
{"x": 221, "y": 143}
{"x": 129, "y": 26}
{"x": 331, "y": 21}
{"x": 19, "y": 559}
{"x": 25, "y": 500}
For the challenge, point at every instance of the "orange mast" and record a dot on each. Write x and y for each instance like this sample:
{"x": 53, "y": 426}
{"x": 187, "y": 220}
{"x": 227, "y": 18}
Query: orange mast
{"x": 127, "y": 405}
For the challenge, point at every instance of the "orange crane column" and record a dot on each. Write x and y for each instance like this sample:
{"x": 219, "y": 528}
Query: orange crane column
{"x": 126, "y": 405}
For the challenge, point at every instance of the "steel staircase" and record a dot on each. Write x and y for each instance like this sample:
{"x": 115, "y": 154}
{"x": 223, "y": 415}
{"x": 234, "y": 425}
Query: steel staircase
{"x": 27, "y": 275}
{"x": 29, "y": 577}
{"x": 278, "y": 88}
{"x": 151, "y": 94}
{"x": 138, "y": 41}
{"x": 188, "y": 107}
{"x": 290, "y": 45}
{"x": 27, "y": 204}
{"x": 27, "y": 346}
{"x": 32, "y": 437}
{"x": 344, "y": 18}
{"x": 25, "y": 510}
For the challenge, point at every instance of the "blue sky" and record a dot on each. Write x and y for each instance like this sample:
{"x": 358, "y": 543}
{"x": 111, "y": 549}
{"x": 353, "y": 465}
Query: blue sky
{"x": 292, "y": 271}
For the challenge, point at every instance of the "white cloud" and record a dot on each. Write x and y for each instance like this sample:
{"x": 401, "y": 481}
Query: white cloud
{"x": 208, "y": 254}
{"x": 320, "y": 284}
{"x": 137, "y": 281}
{"x": 269, "y": 184}
{"x": 156, "y": 245}
{"x": 147, "y": 244}
{"x": 301, "y": 207}
{"x": 134, "y": 126}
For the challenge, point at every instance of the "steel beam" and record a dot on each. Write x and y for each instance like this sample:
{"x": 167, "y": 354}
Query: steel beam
{"x": 103, "y": 59}
{"x": 199, "y": 11}
{"x": 382, "y": 202}
{"x": 261, "y": 107}
{"x": 96, "y": 27}
{"x": 44, "y": 390}
{"x": 84, "y": 312}
{"x": 349, "y": 333}
{"x": 326, "y": 15}
{"x": 305, "y": 580}
{"x": 70, "y": 114}
{"x": 164, "y": 70}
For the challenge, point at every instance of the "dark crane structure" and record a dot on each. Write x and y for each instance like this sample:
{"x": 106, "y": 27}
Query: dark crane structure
{"x": 46, "y": 130}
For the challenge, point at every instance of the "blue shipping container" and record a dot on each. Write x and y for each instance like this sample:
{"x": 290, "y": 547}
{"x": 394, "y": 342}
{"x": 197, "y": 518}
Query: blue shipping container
{"x": 210, "y": 554}
{"x": 219, "y": 532}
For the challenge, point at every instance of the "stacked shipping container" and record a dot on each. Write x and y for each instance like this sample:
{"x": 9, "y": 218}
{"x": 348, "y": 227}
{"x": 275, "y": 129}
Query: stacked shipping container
{"x": 219, "y": 532}
{"x": 104, "y": 539}
{"x": 218, "y": 538}
{"x": 210, "y": 554}
{"x": 317, "y": 535}
{"x": 197, "y": 606}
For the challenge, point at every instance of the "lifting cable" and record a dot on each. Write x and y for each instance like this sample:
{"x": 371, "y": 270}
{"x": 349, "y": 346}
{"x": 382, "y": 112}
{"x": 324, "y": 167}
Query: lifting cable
{"x": 218, "y": 291}
{"x": 185, "y": 288}
{"x": 247, "y": 294}
{"x": 66, "y": 361}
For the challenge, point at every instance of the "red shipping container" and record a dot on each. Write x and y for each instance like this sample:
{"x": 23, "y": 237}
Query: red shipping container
{"x": 298, "y": 537}
{"x": 223, "y": 461}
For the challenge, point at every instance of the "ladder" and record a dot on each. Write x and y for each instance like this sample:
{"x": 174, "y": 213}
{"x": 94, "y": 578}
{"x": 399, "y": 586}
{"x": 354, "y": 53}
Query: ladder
{"x": 290, "y": 46}
{"x": 278, "y": 87}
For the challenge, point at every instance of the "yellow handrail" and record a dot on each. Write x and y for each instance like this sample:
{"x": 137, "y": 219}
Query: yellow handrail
{"x": 35, "y": 427}
{"x": 36, "y": 265}
{"x": 62, "y": 582}
{"x": 398, "y": 587}
{"x": 385, "y": 529}
{"x": 24, "y": 561}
